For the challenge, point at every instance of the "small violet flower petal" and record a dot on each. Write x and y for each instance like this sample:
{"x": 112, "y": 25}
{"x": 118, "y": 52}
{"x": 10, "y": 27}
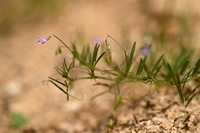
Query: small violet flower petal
{"x": 42, "y": 41}
{"x": 145, "y": 50}
{"x": 97, "y": 40}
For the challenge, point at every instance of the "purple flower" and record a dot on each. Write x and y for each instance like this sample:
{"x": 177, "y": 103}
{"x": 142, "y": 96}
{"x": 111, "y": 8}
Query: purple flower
{"x": 97, "y": 40}
{"x": 42, "y": 41}
{"x": 145, "y": 50}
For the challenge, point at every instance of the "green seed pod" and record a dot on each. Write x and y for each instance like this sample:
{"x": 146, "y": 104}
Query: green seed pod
{"x": 108, "y": 52}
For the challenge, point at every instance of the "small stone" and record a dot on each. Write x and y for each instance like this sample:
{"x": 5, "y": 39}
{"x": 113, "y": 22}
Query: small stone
{"x": 13, "y": 88}
{"x": 166, "y": 125}
{"x": 157, "y": 120}
{"x": 170, "y": 114}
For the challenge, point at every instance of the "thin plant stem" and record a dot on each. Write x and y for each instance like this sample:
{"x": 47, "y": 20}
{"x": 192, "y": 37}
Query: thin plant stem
{"x": 62, "y": 42}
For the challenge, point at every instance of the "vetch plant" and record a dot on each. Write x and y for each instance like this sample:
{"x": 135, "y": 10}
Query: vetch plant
{"x": 162, "y": 72}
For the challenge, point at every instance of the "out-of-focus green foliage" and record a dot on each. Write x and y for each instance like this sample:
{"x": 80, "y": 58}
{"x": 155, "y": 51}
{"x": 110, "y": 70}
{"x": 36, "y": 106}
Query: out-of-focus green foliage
{"x": 17, "y": 120}
{"x": 27, "y": 12}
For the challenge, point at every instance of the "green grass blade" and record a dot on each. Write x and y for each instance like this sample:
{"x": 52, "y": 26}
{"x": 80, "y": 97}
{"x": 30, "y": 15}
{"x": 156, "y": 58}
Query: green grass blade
{"x": 99, "y": 58}
{"x": 75, "y": 53}
{"x": 177, "y": 62}
{"x": 192, "y": 92}
{"x": 94, "y": 57}
{"x": 65, "y": 65}
{"x": 139, "y": 67}
{"x": 118, "y": 101}
{"x": 57, "y": 81}
{"x": 90, "y": 59}
{"x": 165, "y": 66}
{"x": 142, "y": 65}
{"x": 171, "y": 72}
{"x": 64, "y": 91}
{"x": 184, "y": 66}
{"x": 184, "y": 80}
{"x": 126, "y": 63}
{"x": 146, "y": 70}
{"x": 188, "y": 102}
{"x": 70, "y": 66}
{"x": 99, "y": 94}
{"x": 58, "y": 86}
{"x": 58, "y": 51}
{"x": 177, "y": 82}
{"x": 61, "y": 72}
{"x": 156, "y": 65}
{"x": 132, "y": 53}
{"x": 102, "y": 84}
{"x": 197, "y": 66}
{"x": 157, "y": 71}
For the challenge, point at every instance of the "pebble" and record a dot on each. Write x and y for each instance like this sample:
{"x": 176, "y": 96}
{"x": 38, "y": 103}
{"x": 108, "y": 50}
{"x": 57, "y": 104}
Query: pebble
{"x": 13, "y": 88}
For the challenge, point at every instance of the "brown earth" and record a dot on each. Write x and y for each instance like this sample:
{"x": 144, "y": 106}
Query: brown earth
{"x": 24, "y": 65}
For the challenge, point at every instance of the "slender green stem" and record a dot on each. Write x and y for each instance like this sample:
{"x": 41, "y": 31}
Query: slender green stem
{"x": 106, "y": 71}
{"x": 95, "y": 77}
{"x": 118, "y": 43}
{"x": 62, "y": 42}
{"x": 102, "y": 93}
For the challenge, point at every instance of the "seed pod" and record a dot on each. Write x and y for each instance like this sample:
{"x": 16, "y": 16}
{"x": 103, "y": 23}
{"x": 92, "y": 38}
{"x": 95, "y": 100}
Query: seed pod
{"x": 108, "y": 52}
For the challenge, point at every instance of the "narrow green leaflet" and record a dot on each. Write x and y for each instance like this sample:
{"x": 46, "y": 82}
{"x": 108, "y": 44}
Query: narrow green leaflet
{"x": 99, "y": 58}
{"x": 156, "y": 65}
{"x": 192, "y": 92}
{"x": 102, "y": 84}
{"x": 58, "y": 86}
{"x": 85, "y": 53}
{"x": 197, "y": 66}
{"x": 177, "y": 82}
{"x": 75, "y": 53}
{"x": 96, "y": 48}
{"x": 157, "y": 71}
{"x": 171, "y": 72}
{"x": 177, "y": 62}
{"x": 184, "y": 66}
{"x": 99, "y": 94}
{"x": 132, "y": 53}
{"x": 57, "y": 81}
{"x": 188, "y": 102}
{"x": 185, "y": 78}
{"x": 146, "y": 69}
{"x": 58, "y": 51}
{"x": 126, "y": 63}
{"x": 139, "y": 67}
{"x": 64, "y": 90}
{"x": 142, "y": 65}
{"x": 129, "y": 59}
{"x": 118, "y": 101}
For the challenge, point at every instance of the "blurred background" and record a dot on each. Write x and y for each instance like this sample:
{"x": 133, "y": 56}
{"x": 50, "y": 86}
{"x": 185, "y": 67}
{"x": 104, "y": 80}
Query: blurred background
{"x": 27, "y": 105}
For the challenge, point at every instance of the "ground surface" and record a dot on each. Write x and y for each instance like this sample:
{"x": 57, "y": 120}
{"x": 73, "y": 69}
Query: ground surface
{"x": 24, "y": 65}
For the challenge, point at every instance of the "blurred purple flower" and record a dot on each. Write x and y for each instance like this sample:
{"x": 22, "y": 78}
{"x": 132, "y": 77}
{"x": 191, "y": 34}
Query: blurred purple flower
{"x": 145, "y": 50}
{"x": 97, "y": 40}
{"x": 42, "y": 41}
